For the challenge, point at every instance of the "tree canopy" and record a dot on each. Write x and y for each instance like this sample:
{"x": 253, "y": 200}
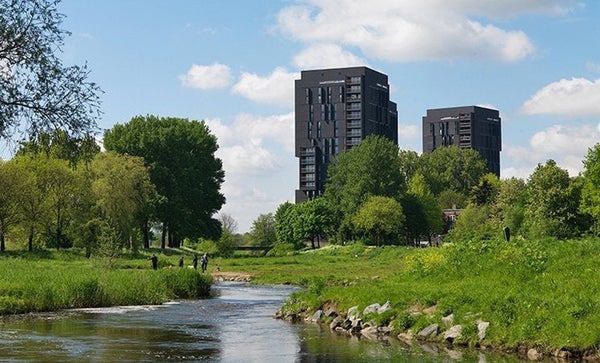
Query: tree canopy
{"x": 370, "y": 168}
{"x": 180, "y": 155}
{"x": 452, "y": 168}
{"x": 381, "y": 217}
{"x": 551, "y": 209}
{"x": 590, "y": 195}
{"x": 37, "y": 91}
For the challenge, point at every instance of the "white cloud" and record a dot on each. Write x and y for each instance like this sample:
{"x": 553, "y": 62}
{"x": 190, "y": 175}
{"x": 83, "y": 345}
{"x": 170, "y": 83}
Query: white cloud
{"x": 259, "y": 163}
{"x": 567, "y": 145}
{"x": 408, "y": 30}
{"x": 572, "y": 97}
{"x": 206, "y": 77}
{"x": 275, "y": 89}
{"x": 327, "y": 56}
{"x": 512, "y": 172}
{"x": 243, "y": 145}
{"x": 409, "y": 131}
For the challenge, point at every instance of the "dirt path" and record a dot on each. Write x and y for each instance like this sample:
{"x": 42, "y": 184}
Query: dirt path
{"x": 231, "y": 276}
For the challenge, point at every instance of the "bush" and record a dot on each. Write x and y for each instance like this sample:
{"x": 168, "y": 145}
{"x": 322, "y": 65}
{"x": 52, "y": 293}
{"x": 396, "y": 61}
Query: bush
{"x": 207, "y": 246}
{"x": 282, "y": 249}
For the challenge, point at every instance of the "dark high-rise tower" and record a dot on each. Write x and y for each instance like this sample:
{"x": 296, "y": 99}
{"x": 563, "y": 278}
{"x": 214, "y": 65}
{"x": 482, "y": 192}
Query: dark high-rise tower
{"x": 335, "y": 110}
{"x": 472, "y": 127}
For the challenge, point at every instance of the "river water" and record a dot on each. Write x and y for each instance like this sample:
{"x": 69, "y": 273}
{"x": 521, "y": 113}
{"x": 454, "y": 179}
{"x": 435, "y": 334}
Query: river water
{"x": 236, "y": 325}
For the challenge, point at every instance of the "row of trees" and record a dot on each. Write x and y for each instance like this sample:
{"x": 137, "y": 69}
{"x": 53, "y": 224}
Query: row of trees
{"x": 156, "y": 174}
{"x": 383, "y": 195}
{"x": 60, "y": 189}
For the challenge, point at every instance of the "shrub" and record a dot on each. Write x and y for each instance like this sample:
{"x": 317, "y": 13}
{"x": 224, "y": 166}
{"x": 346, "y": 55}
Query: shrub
{"x": 282, "y": 249}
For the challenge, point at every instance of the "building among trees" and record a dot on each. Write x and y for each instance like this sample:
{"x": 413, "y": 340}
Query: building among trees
{"x": 335, "y": 110}
{"x": 472, "y": 127}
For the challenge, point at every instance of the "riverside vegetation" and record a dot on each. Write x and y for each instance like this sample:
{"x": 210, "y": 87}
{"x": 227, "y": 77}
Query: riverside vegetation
{"x": 534, "y": 293}
{"x": 542, "y": 294}
{"x": 52, "y": 280}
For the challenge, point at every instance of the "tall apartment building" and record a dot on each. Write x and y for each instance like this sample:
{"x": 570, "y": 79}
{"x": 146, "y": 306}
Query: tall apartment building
{"x": 472, "y": 127}
{"x": 335, "y": 110}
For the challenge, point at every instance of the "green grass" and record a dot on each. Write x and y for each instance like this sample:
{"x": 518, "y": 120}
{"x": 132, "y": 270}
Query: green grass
{"x": 49, "y": 281}
{"x": 544, "y": 293}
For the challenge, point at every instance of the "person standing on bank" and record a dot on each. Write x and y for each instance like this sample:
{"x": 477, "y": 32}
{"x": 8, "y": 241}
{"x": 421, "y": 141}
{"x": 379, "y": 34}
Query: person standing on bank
{"x": 195, "y": 262}
{"x": 204, "y": 262}
{"x": 154, "y": 260}
{"x": 181, "y": 261}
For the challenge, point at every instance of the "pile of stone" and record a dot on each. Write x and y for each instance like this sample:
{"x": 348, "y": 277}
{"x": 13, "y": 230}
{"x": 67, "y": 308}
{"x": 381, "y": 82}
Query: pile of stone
{"x": 352, "y": 323}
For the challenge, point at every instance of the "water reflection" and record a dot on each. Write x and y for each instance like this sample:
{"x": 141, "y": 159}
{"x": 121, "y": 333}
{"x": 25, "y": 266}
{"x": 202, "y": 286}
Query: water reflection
{"x": 234, "y": 326}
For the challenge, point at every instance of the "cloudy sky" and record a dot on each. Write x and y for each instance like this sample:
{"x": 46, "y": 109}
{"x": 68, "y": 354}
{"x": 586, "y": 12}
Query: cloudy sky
{"x": 233, "y": 64}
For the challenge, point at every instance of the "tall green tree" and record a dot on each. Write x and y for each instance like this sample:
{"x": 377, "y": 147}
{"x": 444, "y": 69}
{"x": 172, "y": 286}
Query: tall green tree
{"x": 452, "y": 168}
{"x": 123, "y": 190}
{"x": 180, "y": 155}
{"x": 509, "y": 207}
{"x": 381, "y": 217}
{"x": 262, "y": 232}
{"x": 314, "y": 219}
{"x": 552, "y": 204}
{"x": 486, "y": 190}
{"x": 410, "y": 163}
{"x": 37, "y": 91}
{"x": 32, "y": 200}
{"x": 423, "y": 213}
{"x": 590, "y": 195}
{"x": 11, "y": 187}
{"x": 285, "y": 217}
{"x": 368, "y": 169}
{"x": 63, "y": 189}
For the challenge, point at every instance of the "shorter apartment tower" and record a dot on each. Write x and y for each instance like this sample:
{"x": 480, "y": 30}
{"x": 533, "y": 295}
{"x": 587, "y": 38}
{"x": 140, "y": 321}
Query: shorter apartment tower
{"x": 336, "y": 109}
{"x": 472, "y": 127}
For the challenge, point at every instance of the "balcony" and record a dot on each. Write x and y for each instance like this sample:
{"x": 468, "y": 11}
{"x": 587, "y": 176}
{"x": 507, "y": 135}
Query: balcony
{"x": 352, "y": 141}
{"x": 353, "y": 80}
{"x": 308, "y": 151}
{"x": 353, "y": 89}
{"x": 307, "y": 178}
{"x": 354, "y": 115}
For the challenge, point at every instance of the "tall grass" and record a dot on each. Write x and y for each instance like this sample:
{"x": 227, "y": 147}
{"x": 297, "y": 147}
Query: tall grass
{"x": 34, "y": 283}
{"x": 544, "y": 292}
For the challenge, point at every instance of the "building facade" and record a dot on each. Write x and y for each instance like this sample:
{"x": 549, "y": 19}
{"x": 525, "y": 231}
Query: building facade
{"x": 336, "y": 109}
{"x": 472, "y": 127}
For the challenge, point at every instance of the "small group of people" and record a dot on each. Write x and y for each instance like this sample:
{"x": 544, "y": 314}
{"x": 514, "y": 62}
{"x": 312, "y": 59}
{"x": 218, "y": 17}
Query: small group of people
{"x": 203, "y": 262}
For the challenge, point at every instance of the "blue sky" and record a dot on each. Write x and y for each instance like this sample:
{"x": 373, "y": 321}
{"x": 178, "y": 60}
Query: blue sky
{"x": 232, "y": 63}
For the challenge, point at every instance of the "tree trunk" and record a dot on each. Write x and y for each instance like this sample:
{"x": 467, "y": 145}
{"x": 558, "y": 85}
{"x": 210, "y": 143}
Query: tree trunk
{"x": 30, "y": 240}
{"x": 145, "y": 234}
{"x": 2, "y": 246}
{"x": 163, "y": 237}
{"x": 171, "y": 240}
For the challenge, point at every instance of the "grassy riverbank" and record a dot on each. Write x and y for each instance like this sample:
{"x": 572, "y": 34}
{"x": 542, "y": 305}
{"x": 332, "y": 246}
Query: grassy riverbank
{"x": 50, "y": 280}
{"x": 534, "y": 293}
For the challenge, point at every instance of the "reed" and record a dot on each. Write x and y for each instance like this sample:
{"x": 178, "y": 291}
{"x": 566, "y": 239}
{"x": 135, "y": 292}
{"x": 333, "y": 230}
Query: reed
{"x": 36, "y": 283}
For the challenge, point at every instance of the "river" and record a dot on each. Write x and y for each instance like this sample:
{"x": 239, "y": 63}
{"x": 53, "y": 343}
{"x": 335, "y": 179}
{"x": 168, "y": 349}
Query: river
{"x": 236, "y": 325}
